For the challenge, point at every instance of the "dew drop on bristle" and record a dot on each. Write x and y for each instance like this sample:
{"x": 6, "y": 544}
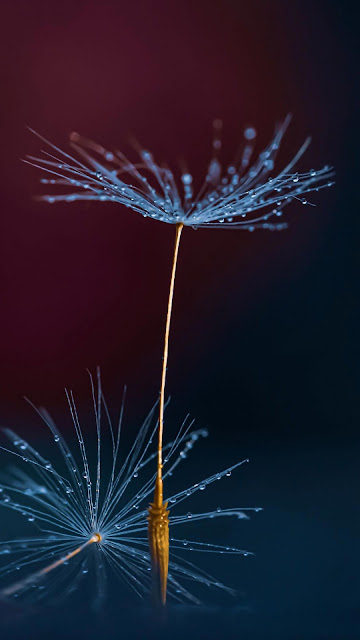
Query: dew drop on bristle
{"x": 186, "y": 178}
{"x": 250, "y": 133}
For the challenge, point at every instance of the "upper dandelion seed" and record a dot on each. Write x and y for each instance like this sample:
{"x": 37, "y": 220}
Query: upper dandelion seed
{"x": 240, "y": 195}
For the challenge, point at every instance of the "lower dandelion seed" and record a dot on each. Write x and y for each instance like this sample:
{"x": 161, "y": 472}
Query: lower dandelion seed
{"x": 100, "y": 511}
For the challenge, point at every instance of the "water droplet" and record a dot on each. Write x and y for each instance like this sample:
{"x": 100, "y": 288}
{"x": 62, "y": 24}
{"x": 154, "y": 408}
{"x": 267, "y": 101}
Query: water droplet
{"x": 296, "y": 179}
{"x": 31, "y": 519}
{"x": 135, "y": 475}
{"x": 185, "y": 542}
{"x": 23, "y": 446}
{"x": 269, "y": 164}
{"x": 202, "y": 487}
{"x": 228, "y": 474}
{"x": 189, "y": 515}
{"x": 146, "y": 155}
{"x": 48, "y": 465}
{"x": 250, "y": 133}
{"x": 56, "y": 438}
{"x": 218, "y": 510}
{"x": 304, "y": 201}
{"x": 186, "y": 178}
{"x": 172, "y": 500}
{"x": 85, "y": 570}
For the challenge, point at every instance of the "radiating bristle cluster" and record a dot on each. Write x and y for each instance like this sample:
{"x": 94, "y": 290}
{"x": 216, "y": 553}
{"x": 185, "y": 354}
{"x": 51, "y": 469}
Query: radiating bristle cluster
{"x": 241, "y": 195}
{"x": 73, "y": 504}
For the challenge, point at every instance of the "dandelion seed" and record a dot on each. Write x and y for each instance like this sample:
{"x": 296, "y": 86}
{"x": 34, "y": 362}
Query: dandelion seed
{"x": 239, "y": 196}
{"x": 227, "y": 193}
{"x": 101, "y": 516}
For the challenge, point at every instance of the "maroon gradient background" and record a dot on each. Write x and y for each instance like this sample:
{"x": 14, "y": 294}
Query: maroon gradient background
{"x": 86, "y": 284}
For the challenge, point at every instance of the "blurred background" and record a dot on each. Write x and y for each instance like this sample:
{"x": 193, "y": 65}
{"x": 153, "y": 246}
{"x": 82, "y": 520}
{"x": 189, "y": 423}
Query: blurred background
{"x": 264, "y": 341}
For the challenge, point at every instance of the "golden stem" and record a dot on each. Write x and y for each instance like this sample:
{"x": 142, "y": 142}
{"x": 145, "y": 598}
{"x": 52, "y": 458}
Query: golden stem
{"x": 158, "y": 497}
{"x": 8, "y": 591}
{"x": 158, "y": 519}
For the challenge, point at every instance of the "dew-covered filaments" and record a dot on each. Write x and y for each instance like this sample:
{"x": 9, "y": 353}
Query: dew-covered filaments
{"x": 240, "y": 195}
{"x": 75, "y": 510}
